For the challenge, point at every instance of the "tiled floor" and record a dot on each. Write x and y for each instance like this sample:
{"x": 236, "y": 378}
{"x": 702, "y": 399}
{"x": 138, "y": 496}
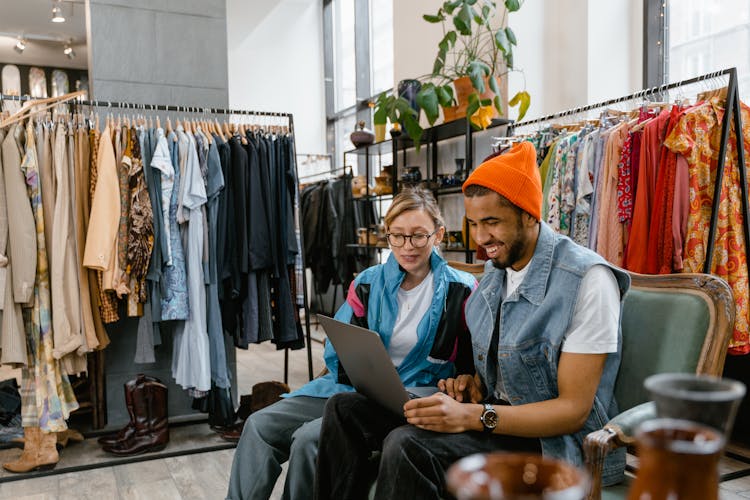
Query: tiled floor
{"x": 205, "y": 475}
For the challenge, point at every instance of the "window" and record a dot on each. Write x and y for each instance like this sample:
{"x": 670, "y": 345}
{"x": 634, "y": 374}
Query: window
{"x": 708, "y": 35}
{"x": 359, "y": 65}
{"x": 345, "y": 88}
{"x": 381, "y": 51}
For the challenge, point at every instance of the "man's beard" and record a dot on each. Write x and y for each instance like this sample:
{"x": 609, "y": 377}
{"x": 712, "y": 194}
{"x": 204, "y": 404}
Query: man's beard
{"x": 515, "y": 250}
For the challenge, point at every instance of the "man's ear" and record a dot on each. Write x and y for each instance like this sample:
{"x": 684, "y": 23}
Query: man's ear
{"x": 528, "y": 220}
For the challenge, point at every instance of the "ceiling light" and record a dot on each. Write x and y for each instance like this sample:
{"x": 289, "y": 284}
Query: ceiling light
{"x": 68, "y": 51}
{"x": 57, "y": 15}
{"x": 20, "y": 46}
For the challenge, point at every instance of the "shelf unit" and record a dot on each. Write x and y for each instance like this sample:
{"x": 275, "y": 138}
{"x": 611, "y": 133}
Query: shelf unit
{"x": 399, "y": 146}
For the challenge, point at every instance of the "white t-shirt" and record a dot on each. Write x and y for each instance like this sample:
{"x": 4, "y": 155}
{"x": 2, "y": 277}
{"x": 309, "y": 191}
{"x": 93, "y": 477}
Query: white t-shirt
{"x": 593, "y": 329}
{"x": 412, "y": 306}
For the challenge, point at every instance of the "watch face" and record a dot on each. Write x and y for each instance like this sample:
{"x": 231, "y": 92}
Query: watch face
{"x": 489, "y": 418}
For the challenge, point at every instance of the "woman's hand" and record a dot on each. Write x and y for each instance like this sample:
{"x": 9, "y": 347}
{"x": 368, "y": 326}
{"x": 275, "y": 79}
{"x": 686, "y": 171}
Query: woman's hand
{"x": 442, "y": 413}
{"x": 464, "y": 388}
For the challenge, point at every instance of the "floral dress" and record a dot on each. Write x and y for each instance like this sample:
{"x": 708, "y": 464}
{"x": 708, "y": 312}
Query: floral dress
{"x": 47, "y": 396}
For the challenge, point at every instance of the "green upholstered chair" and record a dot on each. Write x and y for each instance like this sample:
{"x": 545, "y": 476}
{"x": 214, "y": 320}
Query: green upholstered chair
{"x": 670, "y": 323}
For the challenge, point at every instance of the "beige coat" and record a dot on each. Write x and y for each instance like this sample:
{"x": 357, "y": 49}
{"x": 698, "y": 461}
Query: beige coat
{"x": 66, "y": 303}
{"x": 101, "y": 237}
{"x": 13, "y": 342}
{"x": 21, "y": 224}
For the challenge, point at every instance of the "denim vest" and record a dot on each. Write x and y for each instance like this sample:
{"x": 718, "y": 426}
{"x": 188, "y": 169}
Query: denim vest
{"x": 533, "y": 322}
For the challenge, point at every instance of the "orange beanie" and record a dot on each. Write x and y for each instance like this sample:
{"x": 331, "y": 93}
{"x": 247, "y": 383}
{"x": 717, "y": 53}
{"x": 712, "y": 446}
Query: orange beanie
{"x": 513, "y": 175}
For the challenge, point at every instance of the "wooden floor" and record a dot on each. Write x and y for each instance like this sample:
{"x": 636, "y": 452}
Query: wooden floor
{"x": 206, "y": 475}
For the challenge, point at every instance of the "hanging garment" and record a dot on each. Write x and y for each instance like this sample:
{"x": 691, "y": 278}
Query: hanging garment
{"x": 140, "y": 230}
{"x": 174, "y": 301}
{"x": 610, "y": 239}
{"x": 218, "y": 356}
{"x": 13, "y": 335}
{"x": 46, "y": 394}
{"x": 190, "y": 355}
{"x": 101, "y": 238}
{"x": 81, "y": 179}
{"x": 697, "y": 136}
{"x": 22, "y": 240}
{"x": 64, "y": 279}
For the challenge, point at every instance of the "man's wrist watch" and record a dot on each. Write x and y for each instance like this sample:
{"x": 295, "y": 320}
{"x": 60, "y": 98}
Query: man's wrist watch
{"x": 489, "y": 418}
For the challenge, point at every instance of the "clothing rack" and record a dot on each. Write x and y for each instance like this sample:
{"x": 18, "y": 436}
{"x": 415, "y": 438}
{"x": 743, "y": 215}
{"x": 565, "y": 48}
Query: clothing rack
{"x": 131, "y": 106}
{"x": 732, "y": 116}
{"x": 328, "y": 172}
{"x": 732, "y": 113}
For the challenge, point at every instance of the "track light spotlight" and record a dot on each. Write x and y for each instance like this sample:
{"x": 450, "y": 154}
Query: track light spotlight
{"x": 68, "y": 51}
{"x": 57, "y": 15}
{"x": 20, "y": 46}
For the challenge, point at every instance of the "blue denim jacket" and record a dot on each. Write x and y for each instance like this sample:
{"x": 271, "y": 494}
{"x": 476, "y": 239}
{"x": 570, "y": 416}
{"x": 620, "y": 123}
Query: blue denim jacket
{"x": 533, "y": 322}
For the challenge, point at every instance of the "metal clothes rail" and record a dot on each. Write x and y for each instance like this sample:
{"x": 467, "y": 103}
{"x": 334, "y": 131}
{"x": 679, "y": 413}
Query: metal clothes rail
{"x": 731, "y": 72}
{"x": 159, "y": 107}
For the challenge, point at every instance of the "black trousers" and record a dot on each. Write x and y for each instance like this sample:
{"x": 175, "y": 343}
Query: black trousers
{"x": 413, "y": 461}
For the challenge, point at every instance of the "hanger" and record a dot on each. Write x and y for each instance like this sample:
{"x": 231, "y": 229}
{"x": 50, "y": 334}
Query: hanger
{"x": 27, "y": 108}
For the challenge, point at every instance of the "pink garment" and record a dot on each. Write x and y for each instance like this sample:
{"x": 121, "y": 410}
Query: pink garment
{"x": 610, "y": 239}
{"x": 680, "y": 210}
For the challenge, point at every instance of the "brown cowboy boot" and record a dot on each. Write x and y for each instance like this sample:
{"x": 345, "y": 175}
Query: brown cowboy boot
{"x": 68, "y": 436}
{"x": 129, "y": 429}
{"x": 151, "y": 427}
{"x": 39, "y": 452}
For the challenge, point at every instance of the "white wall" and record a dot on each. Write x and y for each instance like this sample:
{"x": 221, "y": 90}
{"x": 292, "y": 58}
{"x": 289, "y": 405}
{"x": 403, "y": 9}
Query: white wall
{"x": 275, "y": 63}
{"x": 576, "y": 52}
{"x": 571, "y": 52}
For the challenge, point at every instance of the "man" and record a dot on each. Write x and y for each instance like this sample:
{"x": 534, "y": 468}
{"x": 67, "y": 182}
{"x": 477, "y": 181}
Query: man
{"x": 544, "y": 323}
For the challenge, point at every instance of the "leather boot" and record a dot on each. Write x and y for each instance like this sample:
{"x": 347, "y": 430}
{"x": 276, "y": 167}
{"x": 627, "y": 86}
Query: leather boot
{"x": 129, "y": 429}
{"x": 151, "y": 428}
{"x": 39, "y": 452}
{"x": 68, "y": 436}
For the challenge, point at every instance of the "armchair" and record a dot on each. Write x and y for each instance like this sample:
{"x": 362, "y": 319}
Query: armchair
{"x": 670, "y": 323}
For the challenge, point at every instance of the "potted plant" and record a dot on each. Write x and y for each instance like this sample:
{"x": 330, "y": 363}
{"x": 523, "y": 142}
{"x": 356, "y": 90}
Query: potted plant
{"x": 473, "y": 53}
{"x": 389, "y": 106}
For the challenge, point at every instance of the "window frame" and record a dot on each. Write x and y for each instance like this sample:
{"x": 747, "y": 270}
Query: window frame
{"x": 363, "y": 71}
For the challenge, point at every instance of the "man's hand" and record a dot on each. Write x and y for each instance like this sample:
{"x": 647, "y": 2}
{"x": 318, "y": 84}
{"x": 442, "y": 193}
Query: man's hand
{"x": 442, "y": 413}
{"x": 463, "y": 388}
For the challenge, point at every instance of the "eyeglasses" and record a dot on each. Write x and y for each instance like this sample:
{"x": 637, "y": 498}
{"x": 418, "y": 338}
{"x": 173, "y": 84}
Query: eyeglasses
{"x": 417, "y": 240}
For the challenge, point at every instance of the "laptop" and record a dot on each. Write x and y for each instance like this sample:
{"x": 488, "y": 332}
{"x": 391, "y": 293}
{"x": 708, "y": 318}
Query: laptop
{"x": 368, "y": 365}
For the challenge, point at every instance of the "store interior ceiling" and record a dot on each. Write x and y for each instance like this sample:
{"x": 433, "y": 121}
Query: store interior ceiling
{"x": 29, "y": 37}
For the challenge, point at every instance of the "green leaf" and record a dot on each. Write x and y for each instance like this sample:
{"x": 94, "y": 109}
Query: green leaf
{"x": 445, "y": 95}
{"x": 427, "y": 99}
{"x": 511, "y": 36}
{"x": 523, "y": 100}
{"x": 494, "y": 87}
{"x": 413, "y": 129}
{"x": 501, "y": 40}
{"x": 485, "y": 102}
{"x": 498, "y": 106}
{"x": 462, "y": 20}
{"x": 473, "y": 105}
{"x": 380, "y": 116}
{"x": 471, "y": 2}
{"x": 477, "y": 70}
{"x": 486, "y": 12}
{"x": 509, "y": 59}
{"x": 434, "y": 19}
{"x": 449, "y": 7}
{"x": 512, "y": 5}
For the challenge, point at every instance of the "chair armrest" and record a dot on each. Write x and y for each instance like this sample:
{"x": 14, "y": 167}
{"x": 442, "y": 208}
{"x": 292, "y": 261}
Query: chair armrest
{"x": 617, "y": 433}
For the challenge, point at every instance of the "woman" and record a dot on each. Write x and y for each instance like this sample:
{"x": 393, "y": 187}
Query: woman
{"x": 414, "y": 301}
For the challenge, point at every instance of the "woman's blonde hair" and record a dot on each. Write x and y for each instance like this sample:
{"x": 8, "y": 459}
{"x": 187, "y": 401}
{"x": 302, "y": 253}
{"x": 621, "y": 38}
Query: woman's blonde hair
{"x": 416, "y": 198}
